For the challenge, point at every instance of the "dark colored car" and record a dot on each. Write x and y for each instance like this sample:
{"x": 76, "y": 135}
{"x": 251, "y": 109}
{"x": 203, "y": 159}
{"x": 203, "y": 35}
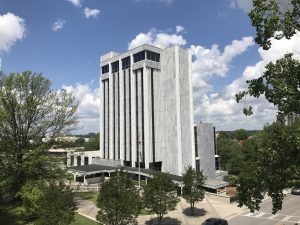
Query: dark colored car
{"x": 215, "y": 221}
{"x": 296, "y": 190}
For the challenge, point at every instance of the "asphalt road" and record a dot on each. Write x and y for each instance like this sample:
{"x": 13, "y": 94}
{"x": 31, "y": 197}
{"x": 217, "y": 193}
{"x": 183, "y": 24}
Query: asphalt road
{"x": 289, "y": 215}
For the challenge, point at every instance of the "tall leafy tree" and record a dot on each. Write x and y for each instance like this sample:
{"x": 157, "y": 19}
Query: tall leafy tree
{"x": 119, "y": 201}
{"x": 277, "y": 166}
{"x": 48, "y": 203}
{"x": 32, "y": 115}
{"x": 274, "y": 19}
{"x": 193, "y": 190}
{"x": 160, "y": 195}
{"x": 280, "y": 84}
{"x": 56, "y": 205}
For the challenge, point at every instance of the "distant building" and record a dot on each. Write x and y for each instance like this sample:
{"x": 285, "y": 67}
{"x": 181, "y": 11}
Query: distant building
{"x": 205, "y": 149}
{"x": 147, "y": 108}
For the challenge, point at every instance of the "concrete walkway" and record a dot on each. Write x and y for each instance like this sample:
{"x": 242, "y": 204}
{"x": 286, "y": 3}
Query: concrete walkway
{"x": 204, "y": 209}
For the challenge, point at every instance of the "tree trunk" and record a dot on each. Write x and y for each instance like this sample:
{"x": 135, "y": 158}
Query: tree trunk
{"x": 192, "y": 209}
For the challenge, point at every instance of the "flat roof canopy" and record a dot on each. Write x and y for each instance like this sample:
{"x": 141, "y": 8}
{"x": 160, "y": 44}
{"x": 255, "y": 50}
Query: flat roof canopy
{"x": 93, "y": 168}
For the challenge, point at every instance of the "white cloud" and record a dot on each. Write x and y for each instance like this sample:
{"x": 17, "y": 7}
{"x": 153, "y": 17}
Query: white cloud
{"x": 76, "y": 3}
{"x": 91, "y": 12}
{"x": 212, "y": 62}
{"x": 58, "y": 24}
{"x": 179, "y": 29}
{"x": 221, "y": 108}
{"x": 89, "y": 103}
{"x": 157, "y": 38}
{"x": 12, "y": 29}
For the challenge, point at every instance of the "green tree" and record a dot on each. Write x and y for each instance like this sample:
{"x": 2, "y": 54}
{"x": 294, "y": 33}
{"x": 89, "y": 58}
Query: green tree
{"x": 230, "y": 153}
{"x": 280, "y": 85}
{"x": 277, "y": 166}
{"x": 193, "y": 190}
{"x": 31, "y": 194}
{"x": 32, "y": 115}
{"x": 57, "y": 205}
{"x": 119, "y": 201}
{"x": 49, "y": 203}
{"x": 160, "y": 195}
{"x": 240, "y": 134}
{"x": 272, "y": 19}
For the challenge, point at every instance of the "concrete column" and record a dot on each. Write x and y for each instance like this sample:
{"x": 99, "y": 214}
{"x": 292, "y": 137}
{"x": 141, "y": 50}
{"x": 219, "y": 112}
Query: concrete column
{"x": 133, "y": 115}
{"x": 111, "y": 113}
{"x": 74, "y": 177}
{"x": 106, "y": 108}
{"x": 146, "y": 142}
{"x": 122, "y": 99}
{"x": 116, "y": 122}
{"x": 178, "y": 118}
{"x": 102, "y": 108}
{"x": 128, "y": 105}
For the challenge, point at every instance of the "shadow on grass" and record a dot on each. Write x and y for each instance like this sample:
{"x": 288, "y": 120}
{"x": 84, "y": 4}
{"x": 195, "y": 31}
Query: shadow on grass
{"x": 165, "y": 221}
{"x": 197, "y": 212}
{"x": 11, "y": 213}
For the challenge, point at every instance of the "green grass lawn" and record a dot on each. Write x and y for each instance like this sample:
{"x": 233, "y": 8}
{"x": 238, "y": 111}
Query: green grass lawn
{"x": 91, "y": 196}
{"x": 81, "y": 220}
{"x": 11, "y": 214}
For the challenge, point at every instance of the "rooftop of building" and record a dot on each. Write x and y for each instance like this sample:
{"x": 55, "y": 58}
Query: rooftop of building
{"x": 111, "y": 56}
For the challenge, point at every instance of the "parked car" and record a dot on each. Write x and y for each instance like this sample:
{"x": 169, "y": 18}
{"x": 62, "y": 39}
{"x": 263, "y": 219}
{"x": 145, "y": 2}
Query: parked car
{"x": 296, "y": 190}
{"x": 215, "y": 221}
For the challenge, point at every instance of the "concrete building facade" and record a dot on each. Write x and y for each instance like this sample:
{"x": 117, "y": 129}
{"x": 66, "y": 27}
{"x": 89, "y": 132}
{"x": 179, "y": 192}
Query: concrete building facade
{"x": 147, "y": 108}
{"x": 205, "y": 149}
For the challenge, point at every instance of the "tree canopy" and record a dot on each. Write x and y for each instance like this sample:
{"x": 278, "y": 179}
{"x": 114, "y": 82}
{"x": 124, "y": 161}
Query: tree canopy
{"x": 119, "y": 201}
{"x": 276, "y": 166}
{"x": 160, "y": 195}
{"x": 274, "y": 19}
{"x": 32, "y": 115}
{"x": 193, "y": 190}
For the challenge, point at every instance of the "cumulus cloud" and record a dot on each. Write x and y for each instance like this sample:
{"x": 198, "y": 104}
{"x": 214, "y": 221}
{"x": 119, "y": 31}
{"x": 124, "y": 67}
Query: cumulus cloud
{"x": 76, "y": 3}
{"x": 12, "y": 29}
{"x": 89, "y": 103}
{"x": 157, "y": 38}
{"x": 221, "y": 108}
{"x": 91, "y": 12}
{"x": 58, "y": 24}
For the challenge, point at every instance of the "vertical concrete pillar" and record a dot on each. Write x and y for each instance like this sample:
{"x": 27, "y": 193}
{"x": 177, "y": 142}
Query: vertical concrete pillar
{"x": 121, "y": 115}
{"x": 111, "y": 114}
{"x": 102, "y": 109}
{"x": 146, "y": 141}
{"x": 133, "y": 114}
{"x": 178, "y": 117}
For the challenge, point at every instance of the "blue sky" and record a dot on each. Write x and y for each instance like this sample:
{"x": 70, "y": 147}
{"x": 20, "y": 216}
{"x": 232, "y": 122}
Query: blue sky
{"x": 64, "y": 40}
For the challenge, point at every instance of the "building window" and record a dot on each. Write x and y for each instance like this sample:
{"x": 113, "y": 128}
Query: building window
{"x": 105, "y": 69}
{"x": 78, "y": 160}
{"x": 196, "y": 142}
{"x": 72, "y": 160}
{"x": 153, "y": 56}
{"x": 86, "y": 160}
{"x": 139, "y": 56}
{"x": 126, "y": 63}
{"x": 115, "y": 66}
{"x": 197, "y": 165}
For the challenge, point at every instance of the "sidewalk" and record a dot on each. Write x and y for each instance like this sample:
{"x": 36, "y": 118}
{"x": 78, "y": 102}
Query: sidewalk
{"x": 204, "y": 209}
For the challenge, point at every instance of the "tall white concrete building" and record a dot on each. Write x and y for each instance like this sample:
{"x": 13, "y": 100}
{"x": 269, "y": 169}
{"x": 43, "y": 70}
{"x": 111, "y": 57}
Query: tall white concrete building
{"x": 147, "y": 108}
